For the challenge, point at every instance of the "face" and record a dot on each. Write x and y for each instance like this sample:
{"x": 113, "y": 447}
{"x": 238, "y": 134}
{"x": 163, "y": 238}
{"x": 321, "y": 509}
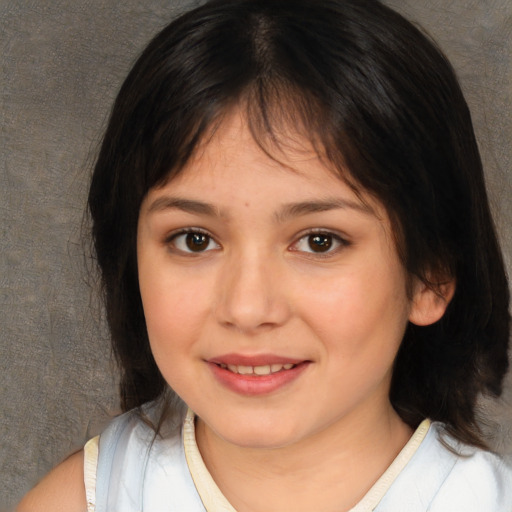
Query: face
{"x": 274, "y": 298}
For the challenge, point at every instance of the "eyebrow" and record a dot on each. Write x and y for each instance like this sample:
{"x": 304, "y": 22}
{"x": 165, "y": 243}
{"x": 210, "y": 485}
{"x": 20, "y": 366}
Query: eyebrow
{"x": 186, "y": 205}
{"x": 307, "y": 207}
{"x": 286, "y": 212}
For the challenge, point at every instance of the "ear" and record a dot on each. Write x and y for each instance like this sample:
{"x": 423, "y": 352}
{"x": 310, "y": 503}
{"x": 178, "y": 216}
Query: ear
{"x": 429, "y": 303}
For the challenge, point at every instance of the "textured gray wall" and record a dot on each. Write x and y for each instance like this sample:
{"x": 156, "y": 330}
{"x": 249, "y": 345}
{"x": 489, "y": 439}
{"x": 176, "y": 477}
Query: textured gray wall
{"x": 63, "y": 62}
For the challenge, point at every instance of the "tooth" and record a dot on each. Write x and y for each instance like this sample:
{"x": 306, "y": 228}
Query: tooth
{"x": 222, "y": 365}
{"x": 245, "y": 370}
{"x": 276, "y": 367}
{"x": 288, "y": 366}
{"x": 262, "y": 370}
{"x": 232, "y": 368}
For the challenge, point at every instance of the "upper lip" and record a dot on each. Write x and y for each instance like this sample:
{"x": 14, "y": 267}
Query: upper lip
{"x": 254, "y": 360}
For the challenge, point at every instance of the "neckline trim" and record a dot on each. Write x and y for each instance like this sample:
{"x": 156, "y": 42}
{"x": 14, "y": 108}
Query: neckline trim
{"x": 211, "y": 496}
{"x": 379, "y": 489}
{"x": 214, "y": 501}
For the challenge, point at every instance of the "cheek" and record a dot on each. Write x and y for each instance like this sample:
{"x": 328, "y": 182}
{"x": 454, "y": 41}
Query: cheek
{"x": 173, "y": 307}
{"x": 363, "y": 312}
{"x": 174, "y": 323}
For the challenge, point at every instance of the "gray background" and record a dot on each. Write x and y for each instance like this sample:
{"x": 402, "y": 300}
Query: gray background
{"x": 62, "y": 63}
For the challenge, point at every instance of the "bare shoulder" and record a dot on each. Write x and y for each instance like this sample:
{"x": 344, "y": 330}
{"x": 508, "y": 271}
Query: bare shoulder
{"x": 61, "y": 490}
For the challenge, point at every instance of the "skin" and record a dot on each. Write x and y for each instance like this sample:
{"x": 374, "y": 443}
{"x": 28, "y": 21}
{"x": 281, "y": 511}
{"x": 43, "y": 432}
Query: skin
{"x": 258, "y": 284}
{"x": 62, "y": 490}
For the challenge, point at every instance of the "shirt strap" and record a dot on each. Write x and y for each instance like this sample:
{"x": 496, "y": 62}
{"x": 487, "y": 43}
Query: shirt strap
{"x": 91, "y": 449}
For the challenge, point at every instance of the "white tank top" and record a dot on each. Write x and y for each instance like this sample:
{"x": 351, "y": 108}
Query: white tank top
{"x": 127, "y": 469}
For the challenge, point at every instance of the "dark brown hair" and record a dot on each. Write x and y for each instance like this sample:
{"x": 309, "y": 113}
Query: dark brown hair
{"x": 381, "y": 101}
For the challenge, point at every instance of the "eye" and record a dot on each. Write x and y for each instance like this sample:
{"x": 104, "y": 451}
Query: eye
{"x": 193, "y": 241}
{"x": 319, "y": 243}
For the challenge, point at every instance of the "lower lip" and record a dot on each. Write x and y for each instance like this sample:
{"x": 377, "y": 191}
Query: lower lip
{"x": 253, "y": 385}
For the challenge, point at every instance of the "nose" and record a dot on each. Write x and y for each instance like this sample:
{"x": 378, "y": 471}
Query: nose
{"x": 253, "y": 294}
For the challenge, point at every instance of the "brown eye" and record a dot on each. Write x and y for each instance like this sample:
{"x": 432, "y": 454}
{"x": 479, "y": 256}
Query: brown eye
{"x": 193, "y": 242}
{"x": 197, "y": 242}
{"x": 320, "y": 242}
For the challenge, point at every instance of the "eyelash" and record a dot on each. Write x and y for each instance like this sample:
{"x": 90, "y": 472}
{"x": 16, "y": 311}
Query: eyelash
{"x": 334, "y": 240}
{"x": 337, "y": 242}
{"x": 171, "y": 240}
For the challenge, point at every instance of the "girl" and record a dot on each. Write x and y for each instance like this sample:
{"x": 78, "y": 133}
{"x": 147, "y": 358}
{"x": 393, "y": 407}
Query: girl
{"x": 303, "y": 283}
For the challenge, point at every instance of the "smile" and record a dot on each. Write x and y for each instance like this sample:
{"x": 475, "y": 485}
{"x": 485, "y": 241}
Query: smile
{"x": 256, "y": 375}
{"x": 266, "y": 369}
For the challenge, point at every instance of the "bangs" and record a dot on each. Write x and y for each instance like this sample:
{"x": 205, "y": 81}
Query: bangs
{"x": 280, "y": 118}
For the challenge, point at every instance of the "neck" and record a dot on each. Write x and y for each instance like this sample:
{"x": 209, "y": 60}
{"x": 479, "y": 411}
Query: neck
{"x": 329, "y": 471}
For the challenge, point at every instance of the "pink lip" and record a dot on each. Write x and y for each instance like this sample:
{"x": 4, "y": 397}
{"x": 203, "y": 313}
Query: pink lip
{"x": 254, "y": 385}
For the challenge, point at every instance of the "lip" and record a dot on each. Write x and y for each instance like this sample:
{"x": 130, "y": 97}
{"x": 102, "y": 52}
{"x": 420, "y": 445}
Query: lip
{"x": 256, "y": 385}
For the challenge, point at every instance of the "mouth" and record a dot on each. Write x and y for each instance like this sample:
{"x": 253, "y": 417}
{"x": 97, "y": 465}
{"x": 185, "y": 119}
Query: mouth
{"x": 260, "y": 370}
{"x": 257, "y": 375}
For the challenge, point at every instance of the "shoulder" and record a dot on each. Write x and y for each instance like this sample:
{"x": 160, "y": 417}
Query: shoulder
{"x": 445, "y": 475}
{"x": 480, "y": 480}
{"x": 132, "y": 438}
{"x": 151, "y": 466}
{"x": 61, "y": 490}
{"x": 472, "y": 479}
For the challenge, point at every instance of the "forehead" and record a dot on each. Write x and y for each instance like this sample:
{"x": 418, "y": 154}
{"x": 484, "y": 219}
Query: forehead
{"x": 234, "y": 155}
{"x": 235, "y": 137}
